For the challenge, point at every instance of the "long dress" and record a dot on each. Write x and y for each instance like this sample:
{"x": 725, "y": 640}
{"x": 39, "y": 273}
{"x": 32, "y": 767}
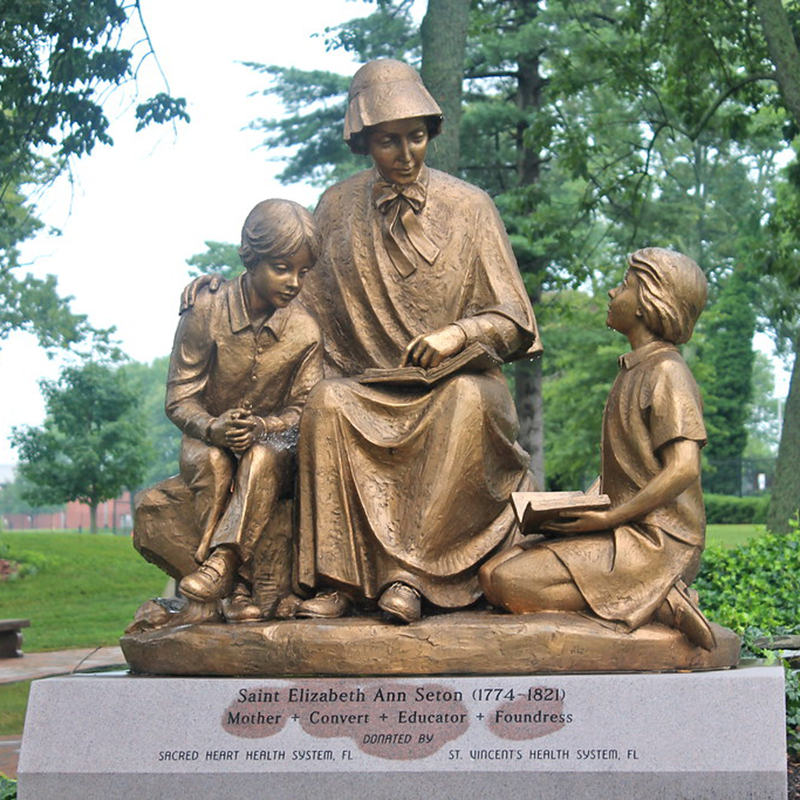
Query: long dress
{"x": 398, "y": 484}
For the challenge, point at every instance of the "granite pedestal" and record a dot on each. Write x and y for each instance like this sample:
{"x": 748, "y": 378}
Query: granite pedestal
{"x": 715, "y": 735}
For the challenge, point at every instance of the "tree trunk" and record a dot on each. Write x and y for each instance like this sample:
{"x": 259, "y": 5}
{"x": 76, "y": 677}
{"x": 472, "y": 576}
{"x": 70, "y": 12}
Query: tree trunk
{"x": 92, "y": 517}
{"x": 528, "y": 376}
{"x": 783, "y": 51}
{"x": 786, "y": 57}
{"x": 786, "y": 486}
{"x": 444, "y": 41}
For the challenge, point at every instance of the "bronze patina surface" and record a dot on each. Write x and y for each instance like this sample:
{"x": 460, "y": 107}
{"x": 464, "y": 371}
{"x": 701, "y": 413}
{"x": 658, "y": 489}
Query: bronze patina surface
{"x": 459, "y": 643}
{"x": 399, "y": 501}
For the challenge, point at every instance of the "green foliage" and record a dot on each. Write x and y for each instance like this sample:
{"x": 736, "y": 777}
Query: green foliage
{"x": 755, "y": 590}
{"x": 730, "y": 324}
{"x": 580, "y": 366}
{"x": 162, "y": 438}
{"x": 8, "y": 788}
{"x": 220, "y": 257}
{"x": 85, "y": 592}
{"x": 755, "y": 586}
{"x": 792, "y": 689}
{"x": 12, "y": 498}
{"x": 730, "y": 509}
{"x": 14, "y": 567}
{"x": 783, "y": 302}
{"x": 316, "y": 100}
{"x": 91, "y": 444}
{"x": 58, "y": 61}
{"x": 763, "y": 422}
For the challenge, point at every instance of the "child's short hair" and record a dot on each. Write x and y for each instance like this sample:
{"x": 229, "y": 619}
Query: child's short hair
{"x": 277, "y": 229}
{"x": 672, "y": 292}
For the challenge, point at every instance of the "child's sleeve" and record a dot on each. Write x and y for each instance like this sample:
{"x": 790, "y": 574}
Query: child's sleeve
{"x": 674, "y": 404}
{"x": 306, "y": 376}
{"x": 188, "y": 372}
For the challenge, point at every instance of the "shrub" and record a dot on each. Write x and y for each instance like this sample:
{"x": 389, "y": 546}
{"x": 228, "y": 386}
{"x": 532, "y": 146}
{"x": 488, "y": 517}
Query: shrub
{"x": 8, "y": 788}
{"x": 726, "y": 509}
{"x": 754, "y": 589}
{"x": 13, "y": 567}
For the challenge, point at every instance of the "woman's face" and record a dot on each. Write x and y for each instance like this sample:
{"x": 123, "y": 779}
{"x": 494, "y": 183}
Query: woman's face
{"x": 398, "y": 148}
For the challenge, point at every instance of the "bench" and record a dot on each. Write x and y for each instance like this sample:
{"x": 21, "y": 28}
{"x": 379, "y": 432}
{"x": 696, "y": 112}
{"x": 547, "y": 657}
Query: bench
{"x": 11, "y": 637}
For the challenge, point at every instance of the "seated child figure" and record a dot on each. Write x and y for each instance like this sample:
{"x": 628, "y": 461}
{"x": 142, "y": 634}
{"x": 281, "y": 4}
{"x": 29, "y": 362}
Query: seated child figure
{"x": 633, "y": 562}
{"x": 244, "y": 360}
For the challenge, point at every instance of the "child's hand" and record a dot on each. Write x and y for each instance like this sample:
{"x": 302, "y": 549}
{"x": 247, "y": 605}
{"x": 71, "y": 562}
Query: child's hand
{"x": 235, "y": 429}
{"x": 243, "y": 431}
{"x": 582, "y": 522}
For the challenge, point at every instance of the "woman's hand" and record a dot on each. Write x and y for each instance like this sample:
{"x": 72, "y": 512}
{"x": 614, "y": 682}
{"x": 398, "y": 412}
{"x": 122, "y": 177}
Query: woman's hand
{"x": 583, "y": 522}
{"x": 189, "y": 294}
{"x": 430, "y": 349}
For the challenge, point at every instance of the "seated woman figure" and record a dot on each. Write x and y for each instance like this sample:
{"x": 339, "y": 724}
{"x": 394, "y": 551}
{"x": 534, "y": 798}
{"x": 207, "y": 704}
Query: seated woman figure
{"x": 403, "y": 492}
{"x": 633, "y": 562}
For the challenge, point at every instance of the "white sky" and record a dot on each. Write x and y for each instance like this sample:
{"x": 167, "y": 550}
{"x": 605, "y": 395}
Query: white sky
{"x": 136, "y": 211}
{"x": 139, "y": 209}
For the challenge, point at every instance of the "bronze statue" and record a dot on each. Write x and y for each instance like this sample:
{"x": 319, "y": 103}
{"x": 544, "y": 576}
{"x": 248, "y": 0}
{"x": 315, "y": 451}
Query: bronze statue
{"x": 406, "y": 456}
{"x": 634, "y": 561}
{"x": 403, "y": 492}
{"x": 244, "y": 360}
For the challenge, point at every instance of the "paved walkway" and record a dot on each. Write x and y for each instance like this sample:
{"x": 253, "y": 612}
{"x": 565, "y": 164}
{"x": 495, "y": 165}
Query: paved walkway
{"x": 42, "y": 665}
{"x": 59, "y": 662}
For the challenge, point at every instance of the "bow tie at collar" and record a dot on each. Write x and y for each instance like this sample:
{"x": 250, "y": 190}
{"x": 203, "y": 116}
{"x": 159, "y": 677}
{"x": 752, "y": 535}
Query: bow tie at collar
{"x": 385, "y": 195}
{"x": 405, "y": 240}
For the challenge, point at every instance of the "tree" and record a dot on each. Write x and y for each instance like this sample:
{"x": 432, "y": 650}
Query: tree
{"x": 782, "y": 304}
{"x": 58, "y": 60}
{"x": 162, "y": 438}
{"x": 219, "y": 257}
{"x": 578, "y": 374}
{"x": 12, "y": 499}
{"x": 316, "y": 100}
{"x": 91, "y": 444}
{"x": 444, "y": 41}
{"x": 763, "y": 422}
{"x": 729, "y": 351}
{"x": 782, "y": 33}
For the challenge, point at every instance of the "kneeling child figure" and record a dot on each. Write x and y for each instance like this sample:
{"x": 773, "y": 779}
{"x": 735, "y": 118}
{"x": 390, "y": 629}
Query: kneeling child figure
{"x": 632, "y": 563}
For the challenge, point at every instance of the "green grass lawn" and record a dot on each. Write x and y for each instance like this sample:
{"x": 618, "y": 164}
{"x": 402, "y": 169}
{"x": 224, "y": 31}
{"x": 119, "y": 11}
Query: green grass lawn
{"x": 732, "y": 535}
{"x": 13, "y": 702}
{"x": 85, "y": 591}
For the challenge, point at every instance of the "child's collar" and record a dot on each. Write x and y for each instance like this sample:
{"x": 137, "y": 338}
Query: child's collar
{"x": 633, "y": 357}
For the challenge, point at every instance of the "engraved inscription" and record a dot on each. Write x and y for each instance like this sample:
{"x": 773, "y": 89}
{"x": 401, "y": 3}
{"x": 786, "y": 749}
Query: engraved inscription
{"x": 537, "y": 712}
{"x": 392, "y": 721}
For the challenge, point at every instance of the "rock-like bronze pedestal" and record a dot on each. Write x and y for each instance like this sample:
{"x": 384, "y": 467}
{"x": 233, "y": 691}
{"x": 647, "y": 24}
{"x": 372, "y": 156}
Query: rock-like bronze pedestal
{"x": 462, "y": 643}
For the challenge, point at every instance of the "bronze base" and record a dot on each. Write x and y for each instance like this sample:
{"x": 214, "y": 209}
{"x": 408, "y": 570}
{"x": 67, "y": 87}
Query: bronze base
{"x": 461, "y": 643}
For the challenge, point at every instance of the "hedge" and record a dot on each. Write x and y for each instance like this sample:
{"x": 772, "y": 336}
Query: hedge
{"x": 726, "y": 509}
